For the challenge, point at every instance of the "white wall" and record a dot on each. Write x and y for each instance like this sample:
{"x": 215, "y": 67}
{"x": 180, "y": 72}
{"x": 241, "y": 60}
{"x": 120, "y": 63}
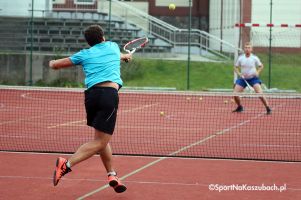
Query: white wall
{"x": 142, "y": 6}
{"x": 118, "y": 9}
{"x": 59, "y": 1}
{"x": 178, "y": 3}
{"x": 229, "y": 17}
{"x": 23, "y": 7}
{"x": 284, "y": 12}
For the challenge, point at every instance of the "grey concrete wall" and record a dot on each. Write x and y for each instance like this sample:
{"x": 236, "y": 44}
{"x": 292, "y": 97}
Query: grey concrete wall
{"x": 15, "y": 69}
{"x": 12, "y": 69}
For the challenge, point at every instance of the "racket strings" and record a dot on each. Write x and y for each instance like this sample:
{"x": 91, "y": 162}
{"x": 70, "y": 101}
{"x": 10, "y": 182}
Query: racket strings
{"x": 136, "y": 44}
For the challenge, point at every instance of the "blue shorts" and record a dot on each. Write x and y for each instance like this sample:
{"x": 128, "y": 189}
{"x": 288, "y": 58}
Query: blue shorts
{"x": 251, "y": 81}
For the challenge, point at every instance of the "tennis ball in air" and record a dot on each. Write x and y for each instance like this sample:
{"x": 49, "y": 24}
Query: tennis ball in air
{"x": 226, "y": 101}
{"x": 161, "y": 113}
{"x": 172, "y": 6}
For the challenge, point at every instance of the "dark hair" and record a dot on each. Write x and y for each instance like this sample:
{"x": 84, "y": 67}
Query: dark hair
{"x": 94, "y": 35}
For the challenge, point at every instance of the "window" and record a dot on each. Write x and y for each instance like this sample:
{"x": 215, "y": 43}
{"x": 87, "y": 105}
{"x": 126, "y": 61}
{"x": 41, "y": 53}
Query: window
{"x": 87, "y": 2}
{"x": 58, "y": 1}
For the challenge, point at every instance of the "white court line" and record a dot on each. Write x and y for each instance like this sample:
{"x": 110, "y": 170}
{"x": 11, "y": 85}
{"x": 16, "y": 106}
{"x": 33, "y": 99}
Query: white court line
{"x": 67, "y": 124}
{"x": 176, "y": 158}
{"x": 26, "y": 96}
{"x": 139, "y": 108}
{"x": 136, "y": 182}
{"x": 36, "y": 117}
{"x": 11, "y": 108}
{"x": 36, "y": 137}
{"x": 180, "y": 150}
{"x": 174, "y": 128}
{"x": 123, "y": 111}
{"x": 176, "y": 152}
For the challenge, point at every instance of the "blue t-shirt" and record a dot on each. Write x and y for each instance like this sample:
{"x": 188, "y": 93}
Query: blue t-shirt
{"x": 100, "y": 63}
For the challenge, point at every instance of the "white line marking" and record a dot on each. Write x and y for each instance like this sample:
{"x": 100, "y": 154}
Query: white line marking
{"x": 27, "y": 96}
{"x": 134, "y": 181}
{"x": 38, "y": 137}
{"x": 139, "y": 108}
{"x": 67, "y": 124}
{"x": 129, "y": 174}
{"x": 168, "y": 127}
{"x": 181, "y": 158}
{"x": 173, "y": 153}
{"x": 176, "y": 152}
{"x": 36, "y": 117}
{"x": 84, "y": 120}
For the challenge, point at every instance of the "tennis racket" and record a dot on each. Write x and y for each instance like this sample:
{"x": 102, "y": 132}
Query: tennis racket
{"x": 134, "y": 45}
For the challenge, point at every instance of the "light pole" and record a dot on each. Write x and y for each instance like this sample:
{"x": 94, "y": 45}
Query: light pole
{"x": 110, "y": 14}
{"x": 270, "y": 44}
{"x": 189, "y": 42}
{"x": 31, "y": 44}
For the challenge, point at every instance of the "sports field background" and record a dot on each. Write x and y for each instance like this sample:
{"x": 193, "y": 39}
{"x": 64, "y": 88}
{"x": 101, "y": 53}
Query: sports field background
{"x": 207, "y": 75}
{"x": 203, "y": 75}
{"x": 30, "y": 38}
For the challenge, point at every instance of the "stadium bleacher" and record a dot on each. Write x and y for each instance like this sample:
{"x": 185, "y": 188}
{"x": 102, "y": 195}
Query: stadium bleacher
{"x": 49, "y": 34}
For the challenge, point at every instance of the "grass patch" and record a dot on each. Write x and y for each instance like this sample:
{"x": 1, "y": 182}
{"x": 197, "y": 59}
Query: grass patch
{"x": 285, "y": 74}
{"x": 159, "y": 73}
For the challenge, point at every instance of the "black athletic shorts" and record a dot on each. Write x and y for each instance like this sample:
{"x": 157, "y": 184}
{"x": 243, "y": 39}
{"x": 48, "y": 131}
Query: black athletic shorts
{"x": 101, "y": 107}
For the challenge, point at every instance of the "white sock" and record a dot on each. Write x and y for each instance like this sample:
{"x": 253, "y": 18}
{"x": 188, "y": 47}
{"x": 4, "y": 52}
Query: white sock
{"x": 113, "y": 173}
{"x": 68, "y": 164}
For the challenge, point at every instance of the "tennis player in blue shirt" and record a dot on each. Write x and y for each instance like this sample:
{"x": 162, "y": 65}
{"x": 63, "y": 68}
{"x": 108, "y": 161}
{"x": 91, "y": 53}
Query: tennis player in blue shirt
{"x": 101, "y": 65}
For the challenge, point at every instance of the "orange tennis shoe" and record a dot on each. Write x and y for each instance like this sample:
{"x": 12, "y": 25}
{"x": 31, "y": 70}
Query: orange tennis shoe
{"x": 116, "y": 184}
{"x": 60, "y": 170}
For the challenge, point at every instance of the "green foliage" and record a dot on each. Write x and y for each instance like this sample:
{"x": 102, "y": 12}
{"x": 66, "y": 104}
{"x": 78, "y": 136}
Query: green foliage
{"x": 284, "y": 71}
{"x": 285, "y": 74}
{"x": 163, "y": 73}
{"x": 11, "y": 82}
{"x": 131, "y": 70}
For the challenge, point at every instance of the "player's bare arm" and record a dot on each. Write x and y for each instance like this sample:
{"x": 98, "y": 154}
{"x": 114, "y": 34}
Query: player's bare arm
{"x": 259, "y": 69}
{"x": 60, "y": 63}
{"x": 237, "y": 71}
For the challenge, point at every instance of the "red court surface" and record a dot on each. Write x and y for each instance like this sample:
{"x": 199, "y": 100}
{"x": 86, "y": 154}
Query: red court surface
{"x": 29, "y": 176}
{"x": 193, "y": 125}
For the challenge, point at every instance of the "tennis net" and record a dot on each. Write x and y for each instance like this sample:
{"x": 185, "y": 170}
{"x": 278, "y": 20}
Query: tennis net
{"x": 167, "y": 123}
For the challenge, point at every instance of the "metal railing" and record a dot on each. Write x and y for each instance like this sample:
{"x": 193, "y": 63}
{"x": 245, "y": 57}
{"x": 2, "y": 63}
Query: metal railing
{"x": 203, "y": 43}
